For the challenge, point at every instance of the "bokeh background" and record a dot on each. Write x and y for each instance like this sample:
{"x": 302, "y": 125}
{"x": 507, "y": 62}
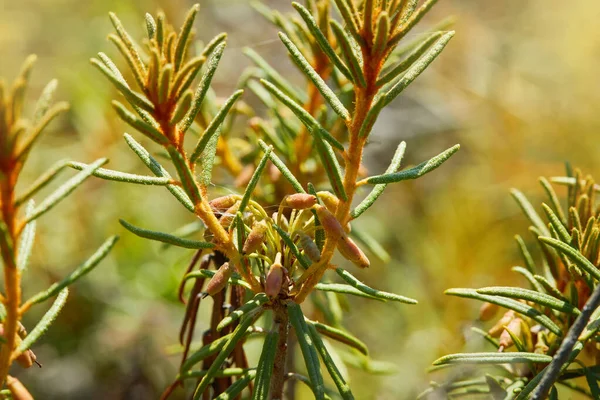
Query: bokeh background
{"x": 517, "y": 87}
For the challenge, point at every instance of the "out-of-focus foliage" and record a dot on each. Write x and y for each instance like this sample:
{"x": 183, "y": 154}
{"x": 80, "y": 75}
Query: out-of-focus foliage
{"x": 517, "y": 90}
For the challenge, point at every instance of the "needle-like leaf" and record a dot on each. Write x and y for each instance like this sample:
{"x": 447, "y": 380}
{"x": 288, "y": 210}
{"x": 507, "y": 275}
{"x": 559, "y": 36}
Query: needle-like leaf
{"x": 351, "y": 279}
{"x": 264, "y": 370}
{"x": 493, "y": 358}
{"x": 44, "y": 323}
{"x": 26, "y": 239}
{"x": 285, "y": 171}
{"x": 166, "y": 237}
{"x": 257, "y": 301}
{"x": 531, "y": 295}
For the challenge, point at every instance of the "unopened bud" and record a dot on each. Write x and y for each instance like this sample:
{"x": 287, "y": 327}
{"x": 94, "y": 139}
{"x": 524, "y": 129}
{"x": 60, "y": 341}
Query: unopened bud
{"x": 256, "y": 237}
{"x": 17, "y": 389}
{"x": 352, "y": 252}
{"x": 228, "y": 216}
{"x": 310, "y": 248}
{"x": 26, "y": 358}
{"x": 301, "y": 201}
{"x": 497, "y": 329}
{"x": 329, "y": 199}
{"x": 274, "y": 280}
{"x": 487, "y": 311}
{"x": 330, "y": 223}
{"x": 219, "y": 279}
{"x": 223, "y": 203}
{"x": 514, "y": 326}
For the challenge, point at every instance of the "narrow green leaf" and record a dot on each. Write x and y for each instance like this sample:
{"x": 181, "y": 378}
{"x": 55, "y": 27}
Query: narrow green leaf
{"x": 352, "y": 281}
{"x": 237, "y": 387}
{"x": 150, "y": 26}
{"x": 573, "y": 255}
{"x": 322, "y": 40}
{"x": 556, "y": 223}
{"x": 530, "y": 212}
{"x": 132, "y": 97}
{"x": 272, "y": 74}
{"x": 257, "y": 301}
{"x": 254, "y": 180}
{"x": 530, "y": 277}
{"x": 164, "y": 83}
{"x": 529, "y": 263}
{"x": 26, "y": 239}
{"x": 314, "y": 76}
{"x": 166, "y": 238}
{"x": 517, "y": 306}
{"x": 34, "y": 133}
{"x": 184, "y": 35}
{"x": 207, "y": 159}
{"x": 64, "y": 190}
{"x": 283, "y": 168}
{"x": 264, "y": 369}
{"x": 43, "y": 103}
{"x": 215, "y": 125}
{"x": 333, "y": 370}
{"x": 138, "y": 74}
{"x": 331, "y": 166}
{"x": 417, "y": 68}
{"x": 127, "y": 40}
{"x": 224, "y": 373}
{"x": 152, "y": 131}
{"x": 345, "y": 289}
{"x": 307, "y": 346}
{"x": 493, "y": 358}
{"x": 213, "y": 44}
{"x": 42, "y": 181}
{"x": 557, "y": 208}
{"x": 410, "y": 19}
{"x": 44, "y": 323}
{"x": 182, "y": 108}
{"x": 413, "y": 56}
{"x": 348, "y": 53}
{"x": 188, "y": 181}
{"x": 378, "y": 189}
{"x": 381, "y": 33}
{"x": 415, "y": 172}
{"x": 367, "y": 20}
{"x": 494, "y": 342}
{"x": 159, "y": 171}
{"x": 184, "y": 77}
{"x": 340, "y": 336}
{"x": 531, "y": 295}
{"x": 350, "y": 16}
{"x": 80, "y": 271}
{"x": 203, "y": 87}
{"x": 119, "y": 176}
{"x": 236, "y": 336}
{"x": 204, "y": 352}
{"x": 296, "y": 108}
{"x": 569, "y": 181}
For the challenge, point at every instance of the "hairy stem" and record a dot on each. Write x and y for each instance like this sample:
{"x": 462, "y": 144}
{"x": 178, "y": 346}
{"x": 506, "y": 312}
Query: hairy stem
{"x": 281, "y": 319}
{"x": 12, "y": 278}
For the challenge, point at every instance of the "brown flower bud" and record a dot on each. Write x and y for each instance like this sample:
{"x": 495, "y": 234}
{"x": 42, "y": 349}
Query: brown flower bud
{"x": 332, "y": 227}
{"x": 515, "y": 327}
{"x": 223, "y": 203}
{"x": 219, "y": 280}
{"x": 256, "y": 237}
{"x": 329, "y": 199}
{"x": 352, "y": 252}
{"x": 274, "y": 280}
{"x": 310, "y": 248}
{"x": 301, "y": 201}
{"x": 26, "y": 359}
{"x": 228, "y": 216}
{"x": 17, "y": 390}
{"x": 487, "y": 311}
{"x": 497, "y": 329}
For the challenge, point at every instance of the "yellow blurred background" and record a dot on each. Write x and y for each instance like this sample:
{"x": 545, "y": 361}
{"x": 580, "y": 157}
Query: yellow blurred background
{"x": 517, "y": 87}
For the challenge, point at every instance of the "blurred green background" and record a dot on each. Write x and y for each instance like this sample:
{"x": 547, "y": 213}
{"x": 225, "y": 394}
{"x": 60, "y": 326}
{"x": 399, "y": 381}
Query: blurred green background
{"x": 517, "y": 87}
